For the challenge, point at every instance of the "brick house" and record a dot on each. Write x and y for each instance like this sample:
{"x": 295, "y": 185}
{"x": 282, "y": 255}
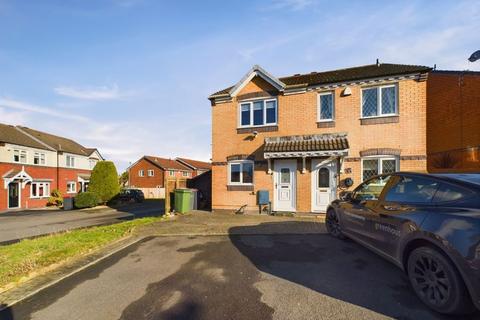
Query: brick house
{"x": 300, "y": 137}
{"x": 198, "y": 167}
{"x": 150, "y": 171}
{"x": 453, "y": 121}
{"x": 33, "y": 163}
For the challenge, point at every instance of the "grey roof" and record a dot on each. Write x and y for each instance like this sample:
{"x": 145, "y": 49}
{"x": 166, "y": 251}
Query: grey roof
{"x": 10, "y": 134}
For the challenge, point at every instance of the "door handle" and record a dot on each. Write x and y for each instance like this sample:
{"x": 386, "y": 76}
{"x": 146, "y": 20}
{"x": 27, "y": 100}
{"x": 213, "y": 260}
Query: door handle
{"x": 391, "y": 208}
{"x": 276, "y": 185}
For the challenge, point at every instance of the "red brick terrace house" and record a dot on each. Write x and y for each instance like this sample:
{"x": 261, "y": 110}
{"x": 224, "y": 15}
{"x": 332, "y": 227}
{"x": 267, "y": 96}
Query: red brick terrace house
{"x": 150, "y": 171}
{"x": 33, "y": 163}
{"x": 301, "y": 136}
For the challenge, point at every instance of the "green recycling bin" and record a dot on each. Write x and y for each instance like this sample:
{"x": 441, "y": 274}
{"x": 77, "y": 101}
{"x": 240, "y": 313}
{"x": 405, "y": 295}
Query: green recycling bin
{"x": 182, "y": 200}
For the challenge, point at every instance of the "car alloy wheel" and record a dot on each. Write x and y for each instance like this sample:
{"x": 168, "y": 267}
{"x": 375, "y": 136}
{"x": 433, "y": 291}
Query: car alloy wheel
{"x": 333, "y": 225}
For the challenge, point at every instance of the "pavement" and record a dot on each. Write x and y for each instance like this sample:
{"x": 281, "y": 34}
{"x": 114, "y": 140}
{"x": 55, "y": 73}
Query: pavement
{"x": 261, "y": 268}
{"x": 18, "y": 225}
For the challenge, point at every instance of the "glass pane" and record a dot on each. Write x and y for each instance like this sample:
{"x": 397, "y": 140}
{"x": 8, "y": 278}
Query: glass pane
{"x": 412, "y": 189}
{"x": 235, "y": 172}
{"x": 258, "y": 113}
{"x": 450, "y": 193}
{"x": 324, "y": 178}
{"x": 370, "y": 168}
{"x": 247, "y": 172}
{"x": 245, "y": 114}
{"x": 369, "y": 102}
{"x": 34, "y": 189}
{"x": 388, "y": 100}
{"x": 389, "y": 166}
{"x": 271, "y": 111}
{"x": 372, "y": 189}
{"x": 284, "y": 175}
{"x": 326, "y": 106}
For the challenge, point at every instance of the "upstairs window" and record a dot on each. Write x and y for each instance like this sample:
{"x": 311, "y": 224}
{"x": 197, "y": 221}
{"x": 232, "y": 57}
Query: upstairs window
{"x": 141, "y": 173}
{"x": 19, "y": 156}
{"x": 39, "y": 158}
{"x": 240, "y": 172}
{"x": 325, "y": 106}
{"x": 186, "y": 174}
{"x": 258, "y": 113}
{"x": 379, "y": 101}
{"x": 70, "y": 161}
{"x": 150, "y": 173}
{"x": 171, "y": 173}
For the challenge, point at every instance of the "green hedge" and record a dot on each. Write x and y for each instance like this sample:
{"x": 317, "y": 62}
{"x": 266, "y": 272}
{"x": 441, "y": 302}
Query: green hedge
{"x": 86, "y": 200}
{"x": 104, "y": 181}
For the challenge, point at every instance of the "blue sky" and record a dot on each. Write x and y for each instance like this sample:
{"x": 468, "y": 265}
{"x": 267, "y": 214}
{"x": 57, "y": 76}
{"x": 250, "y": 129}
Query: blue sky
{"x": 132, "y": 77}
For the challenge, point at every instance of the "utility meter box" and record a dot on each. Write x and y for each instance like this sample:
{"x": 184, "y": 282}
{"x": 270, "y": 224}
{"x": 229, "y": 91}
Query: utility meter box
{"x": 263, "y": 197}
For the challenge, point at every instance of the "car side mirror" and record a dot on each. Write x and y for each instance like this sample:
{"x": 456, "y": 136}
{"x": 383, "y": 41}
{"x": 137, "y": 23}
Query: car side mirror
{"x": 346, "y": 195}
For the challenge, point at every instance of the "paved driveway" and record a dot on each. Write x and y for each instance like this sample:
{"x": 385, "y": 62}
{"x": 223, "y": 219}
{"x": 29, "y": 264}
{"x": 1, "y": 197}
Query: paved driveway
{"x": 310, "y": 276}
{"x": 30, "y": 223}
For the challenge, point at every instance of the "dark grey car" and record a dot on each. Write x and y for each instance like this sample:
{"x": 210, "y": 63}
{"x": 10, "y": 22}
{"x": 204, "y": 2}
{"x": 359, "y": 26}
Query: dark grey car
{"x": 428, "y": 225}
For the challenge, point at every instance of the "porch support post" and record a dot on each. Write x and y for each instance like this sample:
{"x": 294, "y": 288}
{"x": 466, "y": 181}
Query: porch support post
{"x": 269, "y": 162}
{"x": 304, "y": 170}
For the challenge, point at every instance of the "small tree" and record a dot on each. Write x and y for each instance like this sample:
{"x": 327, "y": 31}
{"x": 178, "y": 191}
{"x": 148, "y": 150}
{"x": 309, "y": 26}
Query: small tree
{"x": 104, "y": 181}
{"x": 123, "y": 179}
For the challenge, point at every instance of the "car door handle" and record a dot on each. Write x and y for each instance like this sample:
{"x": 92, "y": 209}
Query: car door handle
{"x": 391, "y": 208}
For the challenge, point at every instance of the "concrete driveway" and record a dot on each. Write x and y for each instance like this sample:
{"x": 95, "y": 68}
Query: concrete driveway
{"x": 31, "y": 223}
{"x": 240, "y": 276}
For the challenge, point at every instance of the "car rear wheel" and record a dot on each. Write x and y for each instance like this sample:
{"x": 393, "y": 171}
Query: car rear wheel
{"x": 437, "y": 282}
{"x": 333, "y": 225}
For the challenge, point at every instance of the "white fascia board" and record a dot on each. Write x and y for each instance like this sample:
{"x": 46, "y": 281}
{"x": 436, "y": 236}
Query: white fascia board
{"x": 257, "y": 71}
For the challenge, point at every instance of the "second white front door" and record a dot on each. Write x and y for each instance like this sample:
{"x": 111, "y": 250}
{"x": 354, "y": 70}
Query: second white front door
{"x": 324, "y": 183}
{"x": 284, "y": 185}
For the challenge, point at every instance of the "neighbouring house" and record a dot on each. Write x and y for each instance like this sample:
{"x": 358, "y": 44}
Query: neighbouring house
{"x": 33, "y": 163}
{"x": 453, "y": 126}
{"x": 150, "y": 172}
{"x": 197, "y": 166}
{"x": 300, "y": 137}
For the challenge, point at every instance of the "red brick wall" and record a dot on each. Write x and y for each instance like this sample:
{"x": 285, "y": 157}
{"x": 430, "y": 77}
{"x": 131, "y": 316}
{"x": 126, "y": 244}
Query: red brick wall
{"x": 38, "y": 173}
{"x": 145, "y": 181}
{"x": 453, "y": 122}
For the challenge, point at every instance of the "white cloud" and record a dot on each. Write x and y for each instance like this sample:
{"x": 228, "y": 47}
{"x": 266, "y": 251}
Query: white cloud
{"x": 294, "y": 5}
{"x": 97, "y": 93}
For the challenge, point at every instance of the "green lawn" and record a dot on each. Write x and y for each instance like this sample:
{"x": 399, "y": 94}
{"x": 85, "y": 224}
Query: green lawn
{"x": 22, "y": 258}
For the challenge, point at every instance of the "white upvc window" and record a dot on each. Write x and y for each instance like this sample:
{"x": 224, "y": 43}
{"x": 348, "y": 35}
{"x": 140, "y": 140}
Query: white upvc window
{"x": 258, "y": 113}
{"x": 150, "y": 173}
{"x": 372, "y": 166}
{"x": 326, "y": 106}
{"x": 171, "y": 173}
{"x": 186, "y": 174}
{"x": 379, "y": 101}
{"x": 71, "y": 187}
{"x": 141, "y": 173}
{"x": 40, "y": 189}
{"x": 19, "y": 156}
{"x": 240, "y": 172}
{"x": 92, "y": 163}
{"x": 39, "y": 158}
{"x": 70, "y": 161}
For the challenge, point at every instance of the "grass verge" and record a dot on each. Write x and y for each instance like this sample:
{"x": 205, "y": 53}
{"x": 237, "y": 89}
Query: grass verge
{"x": 21, "y": 259}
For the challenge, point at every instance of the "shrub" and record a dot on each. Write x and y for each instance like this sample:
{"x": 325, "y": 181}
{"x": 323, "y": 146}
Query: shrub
{"x": 55, "y": 198}
{"x": 85, "y": 200}
{"x": 104, "y": 181}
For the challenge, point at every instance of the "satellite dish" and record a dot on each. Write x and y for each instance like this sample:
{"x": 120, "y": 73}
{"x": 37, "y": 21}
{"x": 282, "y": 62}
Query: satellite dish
{"x": 475, "y": 56}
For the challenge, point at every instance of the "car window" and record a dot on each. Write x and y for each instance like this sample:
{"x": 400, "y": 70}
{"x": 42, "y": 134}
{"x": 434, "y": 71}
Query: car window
{"x": 448, "y": 192}
{"x": 412, "y": 189}
{"x": 372, "y": 189}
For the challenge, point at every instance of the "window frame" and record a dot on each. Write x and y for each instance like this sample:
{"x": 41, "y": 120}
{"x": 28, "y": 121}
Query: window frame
{"x": 46, "y": 189}
{"x": 186, "y": 174}
{"x": 379, "y": 101}
{"x": 150, "y": 171}
{"x": 380, "y": 159}
{"x": 74, "y": 187}
{"x": 171, "y": 173}
{"x": 39, "y": 155}
{"x": 319, "y": 106}
{"x": 240, "y": 183}
{"x": 20, "y": 153}
{"x": 141, "y": 173}
{"x": 250, "y": 102}
{"x": 70, "y": 163}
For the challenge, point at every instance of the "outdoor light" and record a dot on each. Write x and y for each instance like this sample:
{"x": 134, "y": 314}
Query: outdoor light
{"x": 347, "y": 92}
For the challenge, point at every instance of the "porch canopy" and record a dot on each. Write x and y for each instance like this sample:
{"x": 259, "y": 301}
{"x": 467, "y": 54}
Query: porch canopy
{"x": 333, "y": 145}
{"x": 16, "y": 176}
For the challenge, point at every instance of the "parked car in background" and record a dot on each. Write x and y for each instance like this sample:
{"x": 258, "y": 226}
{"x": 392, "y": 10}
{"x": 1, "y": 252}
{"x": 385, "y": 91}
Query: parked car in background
{"x": 129, "y": 195}
{"x": 428, "y": 225}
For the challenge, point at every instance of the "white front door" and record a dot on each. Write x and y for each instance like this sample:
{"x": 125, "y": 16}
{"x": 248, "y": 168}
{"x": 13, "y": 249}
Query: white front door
{"x": 324, "y": 183}
{"x": 284, "y": 176}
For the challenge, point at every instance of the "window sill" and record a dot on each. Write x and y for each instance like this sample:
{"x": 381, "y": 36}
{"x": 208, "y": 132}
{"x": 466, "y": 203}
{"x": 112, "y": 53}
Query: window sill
{"x": 39, "y": 198}
{"x": 267, "y": 128}
{"x": 240, "y": 187}
{"x": 325, "y": 123}
{"x": 380, "y": 120}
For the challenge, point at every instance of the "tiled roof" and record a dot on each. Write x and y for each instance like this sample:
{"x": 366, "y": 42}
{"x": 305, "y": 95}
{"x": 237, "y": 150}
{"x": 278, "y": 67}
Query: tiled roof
{"x": 196, "y": 164}
{"x": 58, "y": 143}
{"x": 166, "y": 164}
{"x": 9, "y": 134}
{"x": 318, "y": 142}
{"x": 347, "y": 74}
